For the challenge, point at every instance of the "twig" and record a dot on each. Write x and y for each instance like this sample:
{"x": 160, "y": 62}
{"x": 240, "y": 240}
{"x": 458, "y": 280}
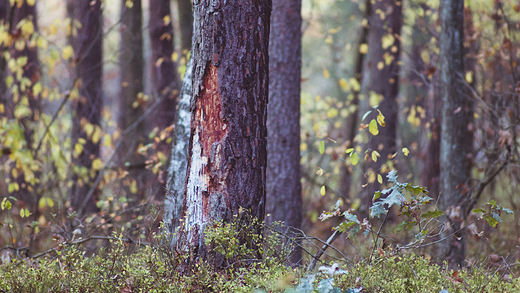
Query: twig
{"x": 331, "y": 239}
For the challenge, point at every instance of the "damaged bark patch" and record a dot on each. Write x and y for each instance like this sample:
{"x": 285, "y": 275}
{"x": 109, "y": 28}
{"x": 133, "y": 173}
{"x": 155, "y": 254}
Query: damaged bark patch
{"x": 206, "y": 192}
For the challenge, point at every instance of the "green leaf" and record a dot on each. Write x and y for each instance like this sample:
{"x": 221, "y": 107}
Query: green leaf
{"x": 476, "y": 211}
{"x": 377, "y": 195}
{"x": 322, "y": 147}
{"x": 400, "y": 227}
{"x": 350, "y": 150}
{"x": 432, "y": 214}
{"x": 492, "y": 203}
{"x": 366, "y": 114}
{"x": 353, "y": 158}
{"x": 491, "y": 221}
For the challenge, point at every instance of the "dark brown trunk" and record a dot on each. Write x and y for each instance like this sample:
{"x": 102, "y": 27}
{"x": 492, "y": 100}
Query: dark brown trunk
{"x": 131, "y": 70}
{"x": 383, "y": 66}
{"x": 87, "y": 108}
{"x": 164, "y": 73}
{"x": 186, "y": 24}
{"x": 284, "y": 198}
{"x": 454, "y": 171}
{"x": 227, "y": 154}
{"x": 22, "y": 94}
{"x": 352, "y": 122}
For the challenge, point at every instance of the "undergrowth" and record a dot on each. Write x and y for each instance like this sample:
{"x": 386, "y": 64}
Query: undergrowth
{"x": 121, "y": 266}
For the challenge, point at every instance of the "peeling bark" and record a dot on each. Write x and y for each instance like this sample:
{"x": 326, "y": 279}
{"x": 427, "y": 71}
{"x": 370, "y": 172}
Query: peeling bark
{"x": 227, "y": 154}
{"x": 179, "y": 157}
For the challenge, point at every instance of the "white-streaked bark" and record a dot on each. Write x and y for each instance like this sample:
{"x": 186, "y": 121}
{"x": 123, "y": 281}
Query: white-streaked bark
{"x": 179, "y": 157}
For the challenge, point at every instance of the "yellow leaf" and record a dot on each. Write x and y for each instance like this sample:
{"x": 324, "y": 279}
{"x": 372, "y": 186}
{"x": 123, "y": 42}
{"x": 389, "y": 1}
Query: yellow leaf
{"x": 387, "y": 41}
{"x": 348, "y": 151}
{"x": 30, "y": 2}
{"x": 133, "y": 186}
{"x": 343, "y": 83}
{"x": 166, "y": 20}
{"x": 381, "y": 119}
{"x": 326, "y": 73}
{"x": 363, "y": 48}
{"x": 379, "y": 179}
{"x": 2, "y": 108}
{"x": 129, "y": 4}
{"x": 469, "y": 77}
{"x": 322, "y": 190}
{"x": 96, "y": 136}
{"x": 303, "y": 147}
{"x": 67, "y": 52}
{"x": 406, "y": 151}
{"x": 375, "y": 155}
{"x": 354, "y": 159}
{"x": 355, "y": 84}
{"x": 97, "y": 164}
{"x": 371, "y": 178}
{"x": 372, "y": 127}
{"x": 333, "y": 112}
{"x": 78, "y": 148}
{"x": 27, "y": 28}
{"x": 380, "y": 65}
{"x": 107, "y": 140}
{"x": 320, "y": 172}
{"x": 175, "y": 56}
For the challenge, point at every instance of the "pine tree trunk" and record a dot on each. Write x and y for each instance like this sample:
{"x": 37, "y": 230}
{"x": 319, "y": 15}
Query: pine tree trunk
{"x": 454, "y": 171}
{"x": 383, "y": 75}
{"x": 87, "y": 47}
{"x": 284, "y": 198}
{"x": 227, "y": 155}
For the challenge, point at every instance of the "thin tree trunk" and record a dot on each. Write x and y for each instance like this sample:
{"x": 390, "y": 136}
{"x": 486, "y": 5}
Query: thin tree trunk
{"x": 164, "y": 72}
{"x": 186, "y": 24}
{"x": 383, "y": 66}
{"x": 352, "y": 122}
{"x": 454, "y": 171}
{"x": 284, "y": 198}
{"x": 87, "y": 47}
{"x": 227, "y": 155}
{"x": 131, "y": 66}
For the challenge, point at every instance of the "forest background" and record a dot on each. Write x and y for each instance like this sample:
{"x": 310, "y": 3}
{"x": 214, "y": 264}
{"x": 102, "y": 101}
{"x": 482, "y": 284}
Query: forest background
{"x": 371, "y": 101}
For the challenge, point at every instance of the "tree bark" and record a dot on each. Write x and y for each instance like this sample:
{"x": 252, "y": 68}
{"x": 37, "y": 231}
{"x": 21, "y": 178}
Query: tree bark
{"x": 284, "y": 198}
{"x": 164, "y": 72}
{"x": 186, "y": 24}
{"x": 383, "y": 67}
{"x": 87, "y": 108}
{"x": 227, "y": 155}
{"x": 175, "y": 184}
{"x": 352, "y": 122}
{"x": 454, "y": 171}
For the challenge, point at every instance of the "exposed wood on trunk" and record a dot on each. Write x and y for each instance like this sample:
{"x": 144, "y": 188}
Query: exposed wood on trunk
{"x": 87, "y": 47}
{"x": 454, "y": 171}
{"x": 227, "y": 159}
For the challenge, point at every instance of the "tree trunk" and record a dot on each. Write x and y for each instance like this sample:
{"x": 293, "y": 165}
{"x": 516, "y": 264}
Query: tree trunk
{"x": 186, "y": 24}
{"x": 87, "y": 108}
{"x": 227, "y": 155}
{"x": 454, "y": 171}
{"x": 164, "y": 72}
{"x": 383, "y": 66}
{"x": 284, "y": 198}
{"x": 352, "y": 122}
{"x": 175, "y": 184}
{"x": 131, "y": 66}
